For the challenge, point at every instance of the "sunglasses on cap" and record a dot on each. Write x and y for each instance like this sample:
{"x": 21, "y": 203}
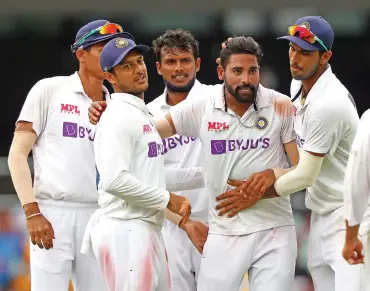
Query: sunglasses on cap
{"x": 305, "y": 34}
{"x": 109, "y": 28}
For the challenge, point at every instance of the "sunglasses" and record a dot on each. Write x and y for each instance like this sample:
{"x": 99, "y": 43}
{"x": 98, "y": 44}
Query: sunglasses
{"x": 305, "y": 34}
{"x": 109, "y": 28}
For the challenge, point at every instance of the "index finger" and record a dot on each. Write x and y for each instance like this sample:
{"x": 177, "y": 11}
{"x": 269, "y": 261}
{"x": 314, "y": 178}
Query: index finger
{"x": 235, "y": 183}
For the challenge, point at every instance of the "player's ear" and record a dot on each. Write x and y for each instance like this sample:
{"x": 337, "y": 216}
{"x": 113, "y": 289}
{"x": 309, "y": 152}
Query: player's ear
{"x": 325, "y": 57}
{"x": 197, "y": 64}
{"x": 110, "y": 78}
{"x": 221, "y": 72}
{"x": 159, "y": 68}
{"x": 81, "y": 55}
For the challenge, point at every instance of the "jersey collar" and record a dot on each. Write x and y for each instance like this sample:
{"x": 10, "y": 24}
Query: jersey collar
{"x": 132, "y": 100}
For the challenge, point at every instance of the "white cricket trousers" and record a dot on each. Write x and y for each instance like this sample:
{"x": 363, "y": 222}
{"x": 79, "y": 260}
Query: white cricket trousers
{"x": 365, "y": 269}
{"x": 329, "y": 270}
{"x": 269, "y": 257}
{"x": 52, "y": 269}
{"x": 183, "y": 258}
{"x": 131, "y": 254}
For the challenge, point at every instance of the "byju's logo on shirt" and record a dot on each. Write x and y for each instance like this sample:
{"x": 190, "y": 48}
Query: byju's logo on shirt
{"x": 71, "y": 129}
{"x": 222, "y": 146}
{"x": 70, "y": 109}
{"x": 217, "y": 126}
{"x": 154, "y": 149}
{"x": 178, "y": 140}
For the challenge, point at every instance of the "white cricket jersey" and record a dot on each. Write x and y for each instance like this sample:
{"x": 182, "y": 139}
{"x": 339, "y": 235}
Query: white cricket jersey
{"x": 129, "y": 159}
{"x": 182, "y": 152}
{"x": 326, "y": 124}
{"x": 64, "y": 163}
{"x": 233, "y": 151}
{"x": 357, "y": 178}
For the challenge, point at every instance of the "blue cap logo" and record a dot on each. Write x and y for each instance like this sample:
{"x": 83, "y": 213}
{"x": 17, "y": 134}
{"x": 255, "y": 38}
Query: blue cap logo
{"x": 121, "y": 42}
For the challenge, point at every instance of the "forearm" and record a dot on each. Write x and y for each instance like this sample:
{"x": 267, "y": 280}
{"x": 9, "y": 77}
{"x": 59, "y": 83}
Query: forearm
{"x": 351, "y": 231}
{"x": 270, "y": 193}
{"x": 303, "y": 176}
{"x": 128, "y": 187}
{"x": 164, "y": 128}
{"x": 173, "y": 217}
{"x": 184, "y": 179}
{"x": 18, "y": 166}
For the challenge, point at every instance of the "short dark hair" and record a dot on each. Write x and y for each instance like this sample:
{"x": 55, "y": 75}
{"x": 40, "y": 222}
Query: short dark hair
{"x": 179, "y": 39}
{"x": 240, "y": 45}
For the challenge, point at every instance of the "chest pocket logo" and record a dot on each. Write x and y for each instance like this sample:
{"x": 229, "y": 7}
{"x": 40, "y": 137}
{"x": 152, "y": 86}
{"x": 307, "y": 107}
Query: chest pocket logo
{"x": 262, "y": 123}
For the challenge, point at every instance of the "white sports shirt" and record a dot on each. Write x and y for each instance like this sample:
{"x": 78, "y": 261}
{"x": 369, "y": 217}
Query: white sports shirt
{"x": 357, "y": 178}
{"x": 128, "y": 151}
{"x": 233, "y": 151}
{"x": 326, "y": 124}
{"x": 183, "y": 156}
{"x": 63, "y": 153}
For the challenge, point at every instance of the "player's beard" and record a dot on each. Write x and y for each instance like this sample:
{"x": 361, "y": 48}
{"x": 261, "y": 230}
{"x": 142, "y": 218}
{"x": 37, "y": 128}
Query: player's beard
{"x": 236, "y": 93}
{"x": 180, "y": 89}
{"x": 308, "y": 75}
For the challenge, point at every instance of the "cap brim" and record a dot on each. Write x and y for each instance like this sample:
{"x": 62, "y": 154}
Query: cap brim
{"x": 107, "y": 37}
{"x": 301, "y": 43}
{"x": 141, "y": 48}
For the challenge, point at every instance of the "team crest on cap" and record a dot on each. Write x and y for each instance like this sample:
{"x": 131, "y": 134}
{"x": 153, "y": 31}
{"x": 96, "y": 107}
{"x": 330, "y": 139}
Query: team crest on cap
{"x": 261, "y": 123}
{"x": 305, "y": 25}
{"x": 121, "y": 43}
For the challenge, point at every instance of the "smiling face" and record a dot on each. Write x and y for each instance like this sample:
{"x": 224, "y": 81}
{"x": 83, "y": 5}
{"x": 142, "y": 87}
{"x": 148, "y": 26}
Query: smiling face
{"x": 130, "y": 75}
{"x": 178, "y": 69}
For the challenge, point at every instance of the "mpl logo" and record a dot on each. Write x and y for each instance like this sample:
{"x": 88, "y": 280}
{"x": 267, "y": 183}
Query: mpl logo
{"x": 147, "y": 129}
{"x": 70, "y": 109}
{"x": 71, "y": 129}
{"x": 299, "y": 141}
{"x": 217, "y": 126}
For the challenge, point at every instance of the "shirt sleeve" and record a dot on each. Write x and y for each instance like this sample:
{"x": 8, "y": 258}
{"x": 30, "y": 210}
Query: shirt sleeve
{"x": 181, "y": 179}
{"x": 115, "y": 152}
{"x": 324, "y": 129}
{"x": 36, "y": 106}
{"x": 357, "y": 177}
{"x": 187, "y": 116}
{"x": 284, "y": 109}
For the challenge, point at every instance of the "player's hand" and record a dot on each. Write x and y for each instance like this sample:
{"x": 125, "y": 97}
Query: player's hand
{"x": 223, "y": 45}
{"x": 197, "y": 232}
{"x": 352, "y": 251}
{"x": 180, "y": 205}
{"x": 234, "y": 201}
{"x": 41, "y": 231}
{"x": 257, "y": 183}
{"x": 95, "y": 111}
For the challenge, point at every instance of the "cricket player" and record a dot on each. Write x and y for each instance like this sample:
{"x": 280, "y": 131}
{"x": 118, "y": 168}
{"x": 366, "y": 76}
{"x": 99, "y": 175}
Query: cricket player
{"x": 356, "y": 202}
{"x": 325, "y": 122}
{"x": 177, "y": 53}
{"x": 125, "y": 233}
{"x": 53, "y": 124}
{"x": 243, "y": 128}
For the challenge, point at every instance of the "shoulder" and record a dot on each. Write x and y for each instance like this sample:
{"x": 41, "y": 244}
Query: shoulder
{"x": 155, "y": 105}
{"x": 48, "y": 86}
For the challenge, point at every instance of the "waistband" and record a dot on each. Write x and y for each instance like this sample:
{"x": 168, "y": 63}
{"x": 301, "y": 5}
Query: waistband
{"x": 67, "y": 204}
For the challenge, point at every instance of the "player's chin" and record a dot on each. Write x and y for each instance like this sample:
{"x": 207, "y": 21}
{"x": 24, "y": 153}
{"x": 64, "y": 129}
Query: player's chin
{"x": 141, "y": 87}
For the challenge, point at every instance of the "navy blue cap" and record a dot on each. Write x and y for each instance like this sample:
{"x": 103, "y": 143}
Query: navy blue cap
{"x": 115, "y": 51}
{"x": 319, "y": 27}
{"x": 96, "y": 37}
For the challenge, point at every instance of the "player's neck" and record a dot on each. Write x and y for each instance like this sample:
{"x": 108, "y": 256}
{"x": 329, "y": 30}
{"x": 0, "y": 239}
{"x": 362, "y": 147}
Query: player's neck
{"x": 93, "y": 87}
{"x": 310, "y": 82}
{"x": 239, "y": 108}
{"x": 174, "y": 98}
